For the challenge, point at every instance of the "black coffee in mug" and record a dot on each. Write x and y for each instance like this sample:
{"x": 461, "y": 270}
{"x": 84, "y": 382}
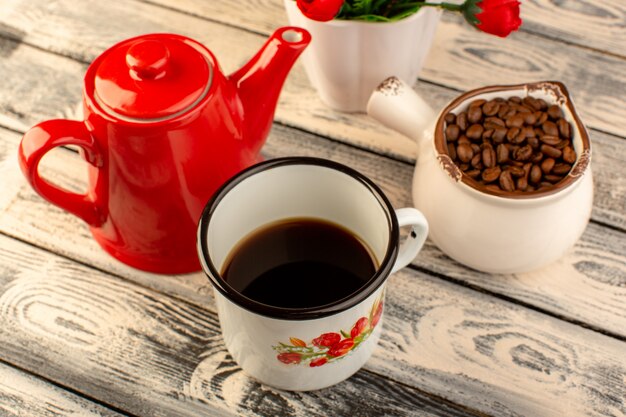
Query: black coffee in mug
{"x": 299, "y": 263}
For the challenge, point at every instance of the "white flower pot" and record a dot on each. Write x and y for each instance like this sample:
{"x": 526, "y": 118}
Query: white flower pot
{"x": 347, "y": 59}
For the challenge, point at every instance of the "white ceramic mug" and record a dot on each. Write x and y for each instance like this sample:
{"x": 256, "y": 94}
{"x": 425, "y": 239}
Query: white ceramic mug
{"x": 347, "y": 58}
{"x": 500, "y": 232}
{"x": 303, "y": 349}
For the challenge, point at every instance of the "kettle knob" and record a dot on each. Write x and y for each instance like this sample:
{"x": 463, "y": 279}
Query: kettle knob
{"x": 147, "y": 60}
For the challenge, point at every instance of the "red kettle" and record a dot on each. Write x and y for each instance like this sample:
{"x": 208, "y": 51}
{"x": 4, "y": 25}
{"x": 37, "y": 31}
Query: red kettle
{"x": 163, "y": 129}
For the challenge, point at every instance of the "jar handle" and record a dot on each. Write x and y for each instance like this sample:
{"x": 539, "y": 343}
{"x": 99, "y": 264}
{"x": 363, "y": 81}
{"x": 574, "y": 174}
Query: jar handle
{"x": 394, "y": 104}
{"x": 416, "y": 238}
{"x": 42, "y": 138}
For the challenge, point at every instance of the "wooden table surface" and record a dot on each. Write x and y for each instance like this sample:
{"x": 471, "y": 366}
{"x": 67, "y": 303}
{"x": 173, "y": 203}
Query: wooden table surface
{"x": 82, "y": 334}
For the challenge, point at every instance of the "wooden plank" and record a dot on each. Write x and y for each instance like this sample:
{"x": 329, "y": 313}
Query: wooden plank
{"x": 23, "y": 395}
{"x": 587, "y": 285}
{"x": 596, "y": 24}
{"x": 523, "y": 57}
{"x": 62, "y": 99}
{"x": 599, "y": 25}
{"x": 150, "y": 354}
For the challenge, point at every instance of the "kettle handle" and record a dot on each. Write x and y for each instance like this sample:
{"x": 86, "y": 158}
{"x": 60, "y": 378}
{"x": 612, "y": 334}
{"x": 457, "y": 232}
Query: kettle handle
{"x": 42, "y": 138}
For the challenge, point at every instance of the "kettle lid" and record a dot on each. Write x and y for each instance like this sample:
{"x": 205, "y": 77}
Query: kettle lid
{"x": 152, "y": 77}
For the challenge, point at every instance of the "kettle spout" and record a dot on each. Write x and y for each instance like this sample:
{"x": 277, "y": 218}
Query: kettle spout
{"x": 260, "y": 80}
{"x": 397, "y": 106}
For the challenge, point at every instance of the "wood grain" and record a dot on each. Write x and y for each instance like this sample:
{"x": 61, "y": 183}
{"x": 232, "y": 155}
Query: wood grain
{"x": 23, "y": 395}
{"x": 53, "y": 91}
{"x": 588, "y": 285}
{"x": 151, "y": 354}
{"x": 154, "y": 355}
{"x": 595, "y": 24}
{"x": 520, "y": 58}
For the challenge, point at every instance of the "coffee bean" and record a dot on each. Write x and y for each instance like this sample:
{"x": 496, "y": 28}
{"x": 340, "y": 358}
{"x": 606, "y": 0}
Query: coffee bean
{"x": 530, "y": 118}
{"x": 561, "y": 169}
{"x": 550, "y": 128}
{"x": 452, "y": 133}
{"x": 541, "y": 119}
{"x": 564, "y": 128}
{"x": 531, "y": 102}
{"x": 476, "y": 161}
{"x": 491, "y": 174}
{"x": 550, "y": 151}
{"x": 528, "y": 132}
{"x": 515, "y": 171}
{"x": 474, "y": 114}
{"x": 452, "y": 151}
{"x": 474, "y": 173}
{"x": 477, "y": 103}
{"x": 513, "y": 145}
{"x": 515, "y": 121}
{"x": 553, "y": 178}
{"x": 464, "y": 152}
{"x": 550, "y": 140}
{"x": 569, "y": 155}
{"x": 514, "y": 136}
{"x": 554, "y": 111}
{"x": 491, "y": 108}
{"x": 533, "y": 142}
{"x": 474, "y": 132}
{"x": 547, "y": 165}
{"x": 499, "y": 134}
{"x": 506, "y": 181}
{"x": 536, "y": 158}
{"x": 562, "y": 144}
{"x": 515, "y": 99}
{"x": 503, "y": 111}
{"x": 523, "y": 154}
{"x": 489, "y": 157}
{"x": 495, "y": 120}
{"x": 535, "y": 174}
{"x": 521, "y": 184}
{"x": 502, "y": 152}
{"x": 461, "y": 121}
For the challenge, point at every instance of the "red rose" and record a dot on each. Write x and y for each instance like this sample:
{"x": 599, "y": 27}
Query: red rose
{"x": 377, "y": 314}
{"x": 341, "y": 348}
{"x": 327, "y": 340}
{"x": 497, "y": 17}
{"x": 289, "y": 357}
{"x": 318, "y": 362}
{"x": 359, "y": 326}
{"x": 320, "y": 10}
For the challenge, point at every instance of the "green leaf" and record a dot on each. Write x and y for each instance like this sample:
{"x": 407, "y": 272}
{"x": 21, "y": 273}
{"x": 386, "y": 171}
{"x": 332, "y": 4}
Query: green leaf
{"x": 344, "y": 334}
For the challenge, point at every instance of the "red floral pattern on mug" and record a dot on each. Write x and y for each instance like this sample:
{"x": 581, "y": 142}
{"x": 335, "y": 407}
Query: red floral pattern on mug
{"x": 330, "y": 346}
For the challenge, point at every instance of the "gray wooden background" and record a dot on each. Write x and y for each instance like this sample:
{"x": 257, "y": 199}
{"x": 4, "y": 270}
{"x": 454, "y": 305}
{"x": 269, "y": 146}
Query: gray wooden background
{"x": 83, "y": 335}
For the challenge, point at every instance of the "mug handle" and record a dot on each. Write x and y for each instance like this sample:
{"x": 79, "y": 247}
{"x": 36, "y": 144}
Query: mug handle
{"x": 415, "y": 240}
{"x": 41, "y": 139}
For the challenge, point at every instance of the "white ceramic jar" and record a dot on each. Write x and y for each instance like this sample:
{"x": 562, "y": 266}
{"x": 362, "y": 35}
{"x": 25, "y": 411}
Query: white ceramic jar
{"x": 309, "y": 348}
{"x": 504, "y": 233}
{"x": 347, "y": 58}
